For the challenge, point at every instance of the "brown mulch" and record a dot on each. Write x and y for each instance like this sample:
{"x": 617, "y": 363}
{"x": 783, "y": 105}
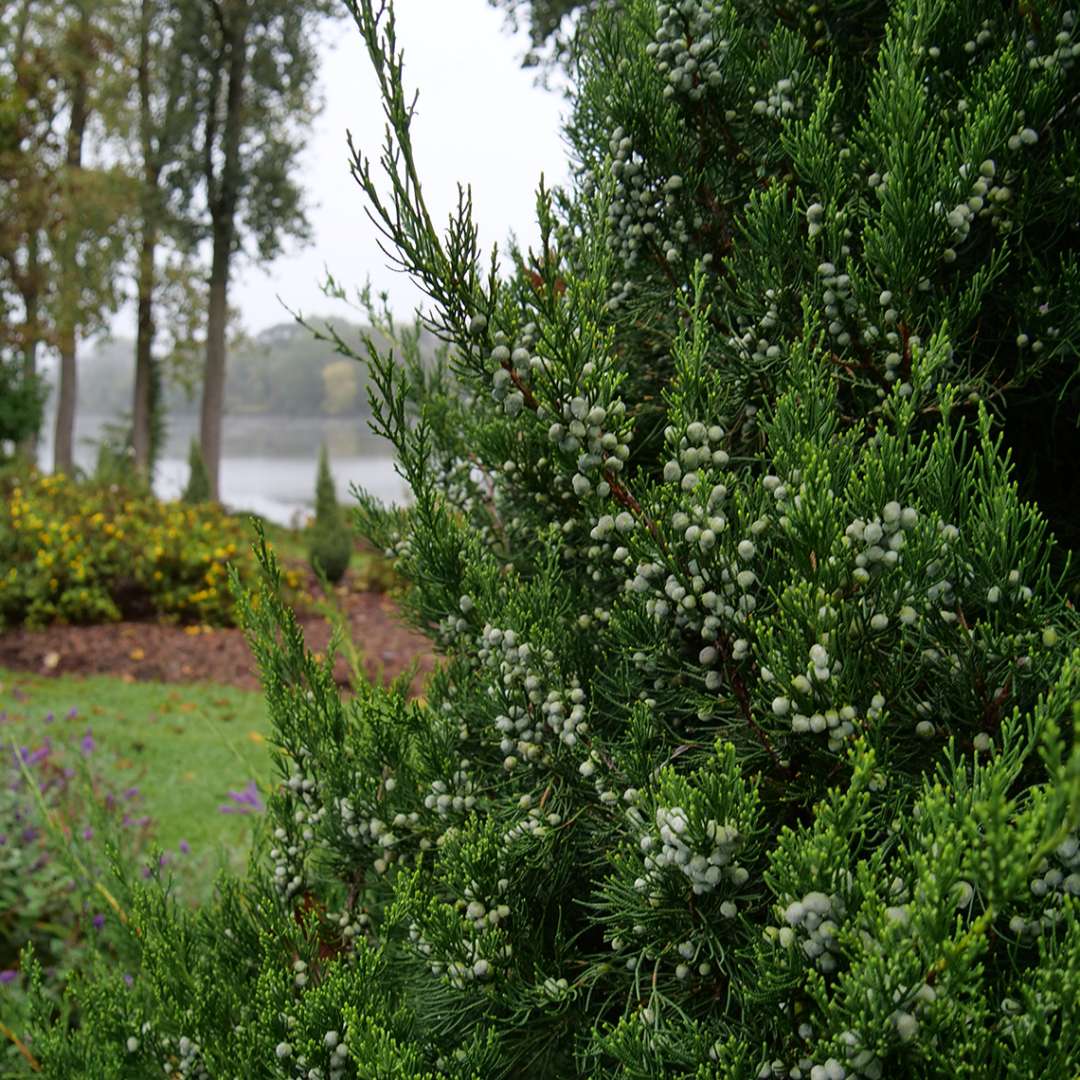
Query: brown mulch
{"x": 146, "y": 651}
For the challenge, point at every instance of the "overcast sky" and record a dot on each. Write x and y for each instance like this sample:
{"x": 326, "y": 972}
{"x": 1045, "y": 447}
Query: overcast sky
{"x": 481, "y": 120}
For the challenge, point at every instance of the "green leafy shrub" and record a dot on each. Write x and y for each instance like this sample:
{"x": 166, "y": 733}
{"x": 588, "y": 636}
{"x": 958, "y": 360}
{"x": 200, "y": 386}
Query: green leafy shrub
{"x": 197, "y": 489}
{"x": 754, "y": 752}
{"x": 330, "y": 544}
{"x": 85, "y": 553}
{"x": 22, "y": 400}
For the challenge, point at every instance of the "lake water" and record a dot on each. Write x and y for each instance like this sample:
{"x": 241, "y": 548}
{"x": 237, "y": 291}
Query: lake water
{"x": 268, "y": 463}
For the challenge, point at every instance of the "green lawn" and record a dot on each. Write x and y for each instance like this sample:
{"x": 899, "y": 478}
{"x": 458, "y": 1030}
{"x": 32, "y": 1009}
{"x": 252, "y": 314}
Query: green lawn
{"x": 183, "y": 746}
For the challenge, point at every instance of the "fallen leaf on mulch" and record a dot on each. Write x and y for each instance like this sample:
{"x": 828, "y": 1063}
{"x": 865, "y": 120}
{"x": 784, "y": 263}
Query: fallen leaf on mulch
{"x": 183, "y": 654}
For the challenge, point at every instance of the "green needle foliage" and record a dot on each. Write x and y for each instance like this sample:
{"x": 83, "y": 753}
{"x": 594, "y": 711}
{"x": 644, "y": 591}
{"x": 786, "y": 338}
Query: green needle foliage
{"x": 330, "y": 545}
{"x": 754, "y": 749}
{"x": 197, "y": 489}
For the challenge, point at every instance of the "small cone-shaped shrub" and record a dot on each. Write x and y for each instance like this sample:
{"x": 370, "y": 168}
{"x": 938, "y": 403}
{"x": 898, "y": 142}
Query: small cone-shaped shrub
{"x": 197, "y": 489}
{"x": 330, "y": 543}
{"x": 754, "y": 749}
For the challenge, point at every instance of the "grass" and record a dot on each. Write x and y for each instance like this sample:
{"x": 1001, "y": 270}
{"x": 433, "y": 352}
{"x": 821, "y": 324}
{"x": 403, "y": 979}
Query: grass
{"x": 183, "y": 746}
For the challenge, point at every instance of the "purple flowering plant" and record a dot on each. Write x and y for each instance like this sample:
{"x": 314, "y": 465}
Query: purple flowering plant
{"x": 245, "y": 801}
{"x": 65, "y": 834}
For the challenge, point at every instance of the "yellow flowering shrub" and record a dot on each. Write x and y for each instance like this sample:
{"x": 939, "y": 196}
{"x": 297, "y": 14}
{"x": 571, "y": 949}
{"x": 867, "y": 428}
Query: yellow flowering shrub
{"x": 86, "y": 553}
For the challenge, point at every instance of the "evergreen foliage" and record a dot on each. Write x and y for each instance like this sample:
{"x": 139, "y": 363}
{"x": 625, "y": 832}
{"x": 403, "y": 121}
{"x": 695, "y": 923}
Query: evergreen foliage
{"x": 330, "y": 544}
{"x": 754, "y": 750}
{"x": 549, "y": 26}
{"x": 22, "y": 397}
{"x": 197, "y": 489}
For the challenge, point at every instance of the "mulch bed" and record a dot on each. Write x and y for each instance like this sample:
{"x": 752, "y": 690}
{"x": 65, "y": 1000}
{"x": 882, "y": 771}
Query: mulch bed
{"x": 146, "y": 651}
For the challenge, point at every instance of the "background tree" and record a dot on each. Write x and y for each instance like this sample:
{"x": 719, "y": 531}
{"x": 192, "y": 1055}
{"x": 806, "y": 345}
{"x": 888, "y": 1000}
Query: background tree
{"x": 30, "y": 154}
{"x": 88, "y": 232}
{"x": 549, "y": 25}
{"x": 330, "y": 545}
{"x": 21, "y": 400}
{"x": 342, "y": 382}
{"x": 166, "y": 119}
{"x": 80, "y": 86}
{"x": 257, "y": 86}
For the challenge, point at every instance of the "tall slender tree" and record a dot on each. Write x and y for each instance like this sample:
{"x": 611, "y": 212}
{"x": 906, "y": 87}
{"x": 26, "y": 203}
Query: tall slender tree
{"x": 78, "y": 46}
{"x": 166, "y": 117}
{"x": 257, "y": 77}
{"x": 29, "y": 154}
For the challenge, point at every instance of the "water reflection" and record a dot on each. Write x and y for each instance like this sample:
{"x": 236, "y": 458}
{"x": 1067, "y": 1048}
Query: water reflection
{"x": 268, "y": 462}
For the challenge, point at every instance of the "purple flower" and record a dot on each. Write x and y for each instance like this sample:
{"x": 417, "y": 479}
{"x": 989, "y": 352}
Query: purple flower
{"x": 7, "y": 975}
{"x": 99, "y": 921}
{"x": 185, "y": 847}
{"x": 72, "y": 713}
{"x": 88, "y": 833}
{"x": 3, "y": 838}
{"x": 128, "y": 980}
{"x": 49, "y": 718}
{"x": 247, "y": 801}
{"x": 146, "y": 871}
{"x": 163, "y": 859}
{"x": 131, "y": 792}
{"x": 40, "y": 754}
{"x": 87, "y": 742}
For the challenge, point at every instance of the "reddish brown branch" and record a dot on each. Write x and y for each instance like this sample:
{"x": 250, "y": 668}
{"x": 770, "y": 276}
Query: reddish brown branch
{"x": 625, "y": 498}
{"x": 526, "y": 393}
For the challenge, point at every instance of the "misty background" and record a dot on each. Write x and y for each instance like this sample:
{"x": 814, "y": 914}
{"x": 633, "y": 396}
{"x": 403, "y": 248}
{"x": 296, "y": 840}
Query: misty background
{"x": 286, "y": 393}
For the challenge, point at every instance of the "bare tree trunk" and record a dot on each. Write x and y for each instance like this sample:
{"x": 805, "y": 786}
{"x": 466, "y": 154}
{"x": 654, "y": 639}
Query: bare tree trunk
{"x": 224, "y": 190}
{"x": 31, "y": 334}
{"x": 213, "y": 399}
{"x": 143, "y": 405}
{"x": 64, "y": 447}
{"x": 63, "y": 452}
